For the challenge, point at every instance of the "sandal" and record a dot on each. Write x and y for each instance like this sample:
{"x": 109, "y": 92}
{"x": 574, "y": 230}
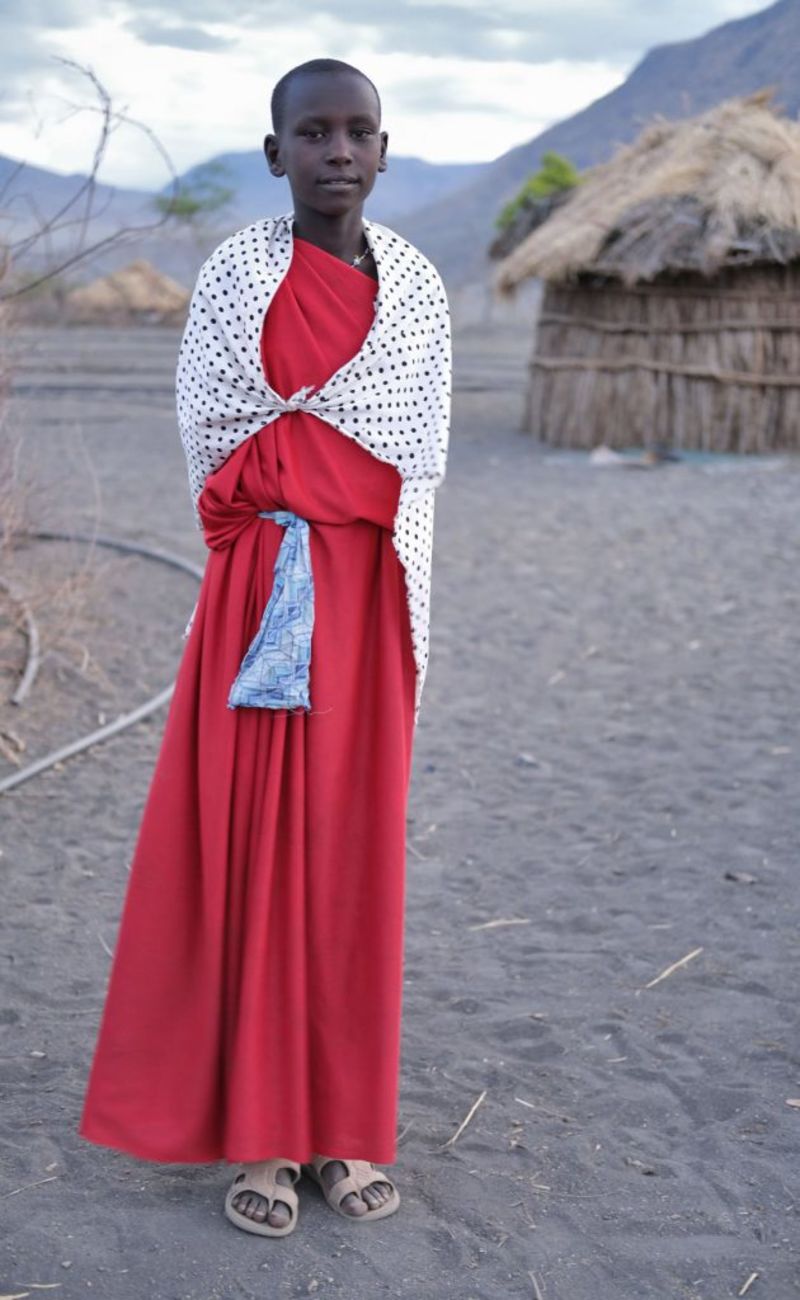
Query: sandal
{"x": 360, "y": 1173}
{"x": 265, "y": 1184}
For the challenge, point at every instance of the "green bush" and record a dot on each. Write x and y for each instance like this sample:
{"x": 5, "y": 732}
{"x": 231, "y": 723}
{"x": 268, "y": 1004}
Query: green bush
{"x": 554, "y": 174}
{"x": 204, "y": 194}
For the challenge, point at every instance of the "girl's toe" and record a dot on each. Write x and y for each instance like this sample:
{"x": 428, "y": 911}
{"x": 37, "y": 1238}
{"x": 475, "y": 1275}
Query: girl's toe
{"x": 354, "y": 1205}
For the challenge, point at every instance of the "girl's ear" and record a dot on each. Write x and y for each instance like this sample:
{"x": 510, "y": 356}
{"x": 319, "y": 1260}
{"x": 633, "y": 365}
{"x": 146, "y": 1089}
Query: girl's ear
{"x": 272, "y": 155}
{"x": 382, "y": 164}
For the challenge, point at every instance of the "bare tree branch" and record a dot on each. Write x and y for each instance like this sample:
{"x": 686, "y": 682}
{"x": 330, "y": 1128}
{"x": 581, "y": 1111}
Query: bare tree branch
{"x": 79, "y": 210}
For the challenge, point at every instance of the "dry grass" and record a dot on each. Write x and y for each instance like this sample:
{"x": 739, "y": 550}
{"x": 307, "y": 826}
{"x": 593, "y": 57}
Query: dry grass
{"x": 14, "y": 495}
{"x": 56, "y": 597}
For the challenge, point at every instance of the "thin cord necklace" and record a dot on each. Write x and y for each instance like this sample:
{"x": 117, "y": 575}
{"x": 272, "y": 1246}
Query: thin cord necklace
{"x": 360, "y": 257}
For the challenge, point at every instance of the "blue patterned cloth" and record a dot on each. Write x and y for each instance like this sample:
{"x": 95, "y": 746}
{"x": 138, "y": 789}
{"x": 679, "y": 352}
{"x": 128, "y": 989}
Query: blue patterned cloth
{"x": 274, "y": 673}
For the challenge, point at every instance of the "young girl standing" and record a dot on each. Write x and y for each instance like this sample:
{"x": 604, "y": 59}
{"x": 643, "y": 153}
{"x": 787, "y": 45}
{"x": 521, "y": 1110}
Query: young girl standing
{"x": 253, "y": 1011}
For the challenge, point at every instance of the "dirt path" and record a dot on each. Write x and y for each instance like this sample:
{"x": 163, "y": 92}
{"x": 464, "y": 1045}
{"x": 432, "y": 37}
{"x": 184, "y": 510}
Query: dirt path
{"x": 609, "y": 734}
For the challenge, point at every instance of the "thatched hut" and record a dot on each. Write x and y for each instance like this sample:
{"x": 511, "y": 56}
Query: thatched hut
{"x": 137, "y": 293}
{"x": 671, "y": 312}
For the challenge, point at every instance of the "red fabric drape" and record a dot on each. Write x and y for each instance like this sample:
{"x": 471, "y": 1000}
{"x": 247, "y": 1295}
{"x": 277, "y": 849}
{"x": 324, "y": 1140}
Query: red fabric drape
{"x": 255, "y": 996}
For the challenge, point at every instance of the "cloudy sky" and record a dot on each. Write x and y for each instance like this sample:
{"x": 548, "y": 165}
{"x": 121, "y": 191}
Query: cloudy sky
{"x": 461, "y": 80}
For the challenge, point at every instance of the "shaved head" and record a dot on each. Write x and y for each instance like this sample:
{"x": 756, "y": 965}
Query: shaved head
{"x": 311, "y": 68}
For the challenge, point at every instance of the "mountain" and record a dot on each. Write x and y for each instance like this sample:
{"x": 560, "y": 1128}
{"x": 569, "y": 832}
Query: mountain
{"x": 448, "y": 210}
{"x": 676, "y": 80}
{"x": 407, "y": 183}
{"x": 30, "y": 196}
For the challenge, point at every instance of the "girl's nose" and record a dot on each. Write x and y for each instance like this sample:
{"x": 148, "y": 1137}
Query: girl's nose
{"x": 339, "y": 148}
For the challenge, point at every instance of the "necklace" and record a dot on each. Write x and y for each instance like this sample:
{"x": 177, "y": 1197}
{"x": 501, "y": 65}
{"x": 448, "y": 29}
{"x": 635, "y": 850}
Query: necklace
{"x": 360, "y": 256}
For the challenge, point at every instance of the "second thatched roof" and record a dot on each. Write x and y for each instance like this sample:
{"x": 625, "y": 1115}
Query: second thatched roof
{"x": 721, "y": 189}
{"x": 137, "y": 291}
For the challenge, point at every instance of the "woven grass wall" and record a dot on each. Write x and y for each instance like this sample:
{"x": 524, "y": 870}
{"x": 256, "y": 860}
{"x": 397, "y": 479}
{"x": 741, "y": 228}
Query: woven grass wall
{"x": 687, "y": 363}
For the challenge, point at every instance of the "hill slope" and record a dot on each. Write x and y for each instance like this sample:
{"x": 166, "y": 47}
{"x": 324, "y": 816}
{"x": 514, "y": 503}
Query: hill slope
{"x": 674, "y": 80}
{"x": 30, "y": 195}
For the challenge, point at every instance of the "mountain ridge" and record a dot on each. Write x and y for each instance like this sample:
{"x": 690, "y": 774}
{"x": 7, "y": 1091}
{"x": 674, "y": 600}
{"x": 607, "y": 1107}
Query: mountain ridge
{"x": 735, "y": 58}
{"x": 454, "y": 224}
{"x": 31, "y": 194}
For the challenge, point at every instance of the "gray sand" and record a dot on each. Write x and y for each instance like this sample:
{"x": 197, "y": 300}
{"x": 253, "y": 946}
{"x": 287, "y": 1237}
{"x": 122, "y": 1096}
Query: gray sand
{"x": 609, "y": 730}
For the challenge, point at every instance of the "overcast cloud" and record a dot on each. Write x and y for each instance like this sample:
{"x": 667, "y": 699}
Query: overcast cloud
{"x": 460, "y": 80}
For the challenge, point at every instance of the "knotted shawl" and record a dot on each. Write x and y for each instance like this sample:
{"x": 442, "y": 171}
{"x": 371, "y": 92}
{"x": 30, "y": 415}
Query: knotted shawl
{"x": 392, "y": 397}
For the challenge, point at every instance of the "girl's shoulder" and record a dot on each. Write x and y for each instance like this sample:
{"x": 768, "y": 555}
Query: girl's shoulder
{"x": 261, "y": 240}
{"x": 395, "y": 248}
{"x": 268, "y": 242}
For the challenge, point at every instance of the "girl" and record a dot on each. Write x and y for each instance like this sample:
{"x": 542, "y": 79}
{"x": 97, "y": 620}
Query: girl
{"x": 253, "y": 1011}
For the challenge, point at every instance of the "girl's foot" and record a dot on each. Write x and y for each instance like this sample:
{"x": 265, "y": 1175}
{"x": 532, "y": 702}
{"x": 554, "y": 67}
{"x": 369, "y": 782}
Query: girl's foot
{"x": 254, "y": 1205}
{"x": 372, "y": 1196}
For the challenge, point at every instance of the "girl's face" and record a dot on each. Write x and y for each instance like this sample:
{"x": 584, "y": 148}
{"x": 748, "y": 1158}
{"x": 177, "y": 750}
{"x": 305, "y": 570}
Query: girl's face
{"x": 330, "y": 145}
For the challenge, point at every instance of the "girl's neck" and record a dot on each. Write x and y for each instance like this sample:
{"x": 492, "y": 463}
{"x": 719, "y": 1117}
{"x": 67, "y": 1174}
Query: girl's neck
{"x": 342, "y": 235}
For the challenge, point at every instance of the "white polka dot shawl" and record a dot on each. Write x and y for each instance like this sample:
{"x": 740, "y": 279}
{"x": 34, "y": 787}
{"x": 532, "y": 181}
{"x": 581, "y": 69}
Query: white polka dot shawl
{"x": 393, "y": 396}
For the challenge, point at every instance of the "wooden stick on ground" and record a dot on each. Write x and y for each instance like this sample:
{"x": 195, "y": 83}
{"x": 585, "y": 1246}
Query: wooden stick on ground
{"x": 536, "y": 1288}
{"x": 465, "y": 1121}
{"x": 103, "y": 944}
{"x": 501, "y": 920}
{"x": 676, "y": 965}
{"x": 38, "y": 1183}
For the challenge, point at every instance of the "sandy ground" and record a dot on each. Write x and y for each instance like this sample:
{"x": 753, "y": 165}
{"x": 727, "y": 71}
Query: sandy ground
{"x": 608, "y": 736}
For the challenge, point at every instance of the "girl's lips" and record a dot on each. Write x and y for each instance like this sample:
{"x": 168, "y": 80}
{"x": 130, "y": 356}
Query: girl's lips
{"x": 338, "y": 182}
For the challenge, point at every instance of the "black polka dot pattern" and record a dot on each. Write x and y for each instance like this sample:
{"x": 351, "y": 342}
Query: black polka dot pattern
{"x": 393, "y": 396}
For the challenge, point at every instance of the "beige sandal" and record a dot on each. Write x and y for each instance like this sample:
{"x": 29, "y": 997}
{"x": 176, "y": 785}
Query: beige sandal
{"x": 360, "y": 1173}
{"x": 265, "y": 1184}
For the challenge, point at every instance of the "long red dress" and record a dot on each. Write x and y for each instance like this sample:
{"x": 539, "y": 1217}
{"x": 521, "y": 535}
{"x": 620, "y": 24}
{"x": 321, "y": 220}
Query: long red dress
{"x": 254, "y": 1004}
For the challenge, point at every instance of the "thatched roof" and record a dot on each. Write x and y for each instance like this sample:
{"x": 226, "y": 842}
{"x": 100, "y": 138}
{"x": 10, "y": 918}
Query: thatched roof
{"x": 137, "y": 290}
{"x": 721, "y": 189}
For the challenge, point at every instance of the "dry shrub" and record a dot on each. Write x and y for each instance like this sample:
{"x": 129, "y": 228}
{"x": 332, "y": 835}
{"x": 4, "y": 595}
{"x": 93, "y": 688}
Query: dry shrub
{"x": 57, "y": 597}
{"x": 61, "y": 597}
